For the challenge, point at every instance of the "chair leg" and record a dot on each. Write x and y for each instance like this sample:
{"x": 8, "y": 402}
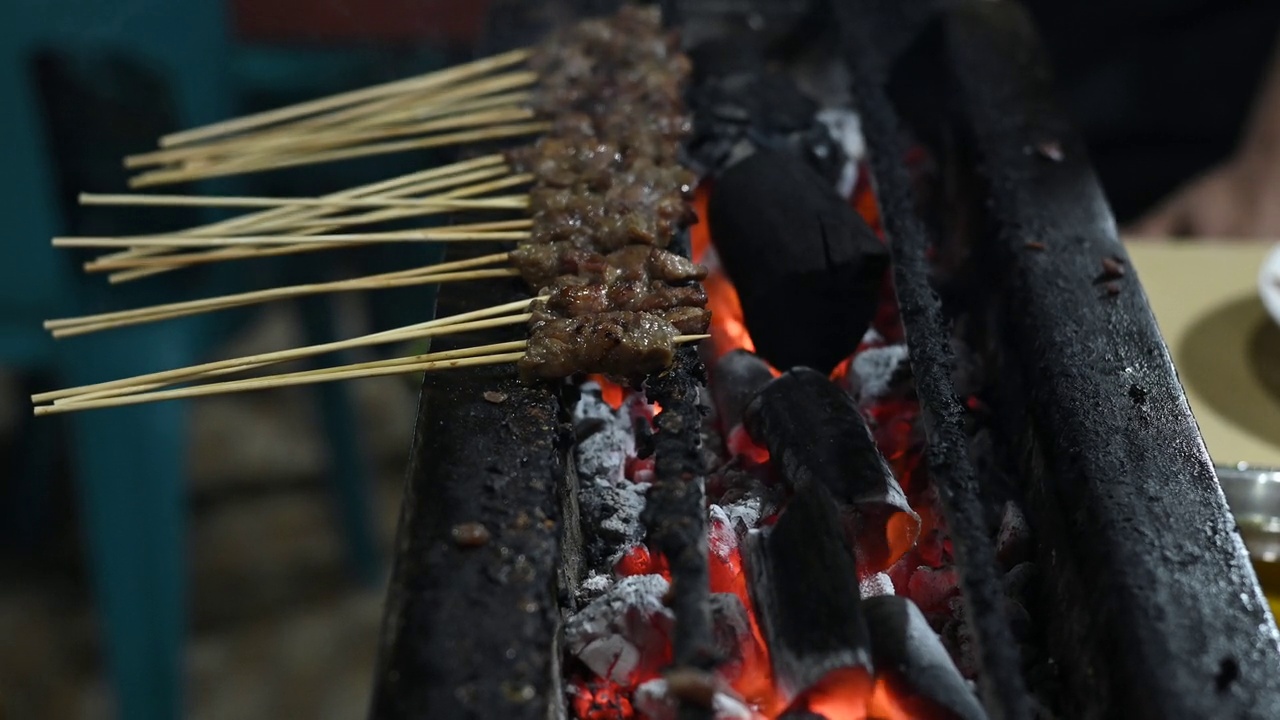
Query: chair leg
{"x": 348, "y": 473}
{"x": 130, "y": 466}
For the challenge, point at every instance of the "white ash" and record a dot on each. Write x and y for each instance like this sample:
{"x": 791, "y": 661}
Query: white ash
{"x": 623, "y": 628}
{"x": 721, "y": 537}
{"x": 875, "y": 369}
{"x": 873, "y": 585}
{"x": 654, "y": 701}
{"x": 610, "y": 503}
{"x": 846, "y": 129}
{"x": 603, "y": 454}
{"x": 593, "y": 585}
{"x": 744, "y": 513}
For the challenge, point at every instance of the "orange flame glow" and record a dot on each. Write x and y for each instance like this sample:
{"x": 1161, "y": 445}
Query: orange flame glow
{"x": 843, "y": 694}
{"x": 728, "y": 331}
{"x": 611, "y": 392}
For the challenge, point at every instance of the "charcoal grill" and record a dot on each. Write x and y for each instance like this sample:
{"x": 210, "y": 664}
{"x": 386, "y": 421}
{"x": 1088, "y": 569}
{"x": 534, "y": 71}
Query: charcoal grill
{"x": 1148, "y": 606}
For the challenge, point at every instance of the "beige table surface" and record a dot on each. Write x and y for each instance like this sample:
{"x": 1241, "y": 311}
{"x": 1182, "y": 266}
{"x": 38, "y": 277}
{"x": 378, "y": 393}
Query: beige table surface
{"x": 1224, "y": 345}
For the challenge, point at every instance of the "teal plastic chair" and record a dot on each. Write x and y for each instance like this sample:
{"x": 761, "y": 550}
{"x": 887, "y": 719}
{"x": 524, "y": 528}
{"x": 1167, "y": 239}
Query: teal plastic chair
{"x": 129, "y": 464}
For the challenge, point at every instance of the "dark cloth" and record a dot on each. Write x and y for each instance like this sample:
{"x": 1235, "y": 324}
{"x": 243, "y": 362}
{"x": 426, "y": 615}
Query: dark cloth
{"x": 1161, "y": 89}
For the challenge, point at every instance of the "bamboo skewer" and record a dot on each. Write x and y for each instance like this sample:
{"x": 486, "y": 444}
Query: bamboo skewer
{"x": 317, "y": 372}
{"x": 384, "y": 215}
{"x": 357, "y": 370}
{"x": 463, "y": 98}
{"x": 273, "y": 293}
{"x": 443, "y": 234}
{"x": 244, "y": 201}
{"x": 268, "y": 161}
{"x": 269, "y": 382}
{"x": 313, "y": 107}
{"x": 454, "y": 323}
{"x": 165, "y": 263}
{"x": 439, "y": 178}
{"x": 490, "y": 94}
{"x": 207, "y": 305}
{"x": 327, "y": 138}
{"x": 308, "y": 228}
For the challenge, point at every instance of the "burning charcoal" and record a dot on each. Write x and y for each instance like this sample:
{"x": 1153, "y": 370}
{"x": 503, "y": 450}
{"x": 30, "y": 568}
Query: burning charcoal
{"x": 731, "y": 627}
{"x": 815, "y": 433}
{"x": 624, "y": 631}
{"x": 1013, "y": 544}
{"x": 737, "y": 377}
{"x": 610, "y": 503}
{"x": 874, "y": 585}
{"x": 601, "y": 701}
{"x": 803, "y": 585}
{"x": 920, "y": 675}
{"x": 1017, "y": 582}
{"x": 656, "y": 701}
{"x": 931, "y": 588}
{"x": 722, "y": 542}
{"x": 603, "y": 453}
{"x": 806, "y": 267}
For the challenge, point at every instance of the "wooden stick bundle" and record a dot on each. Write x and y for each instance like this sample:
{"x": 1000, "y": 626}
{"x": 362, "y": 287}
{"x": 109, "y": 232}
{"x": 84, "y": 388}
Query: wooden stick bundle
{"x": 495, "y": 316}
{"x": 467, "y": 357}
{"x": 440, "y": 78}
{"x": 313, "y": 226}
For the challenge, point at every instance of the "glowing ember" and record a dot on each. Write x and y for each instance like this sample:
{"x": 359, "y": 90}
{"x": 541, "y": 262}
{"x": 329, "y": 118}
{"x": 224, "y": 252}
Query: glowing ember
{"x": 918, "y": 556}
{"x": 601, "y": 701}
{"x": 610, "y": 392}
{"x": 841, "y": 695}
{"x": 740, "y": 444}
{"x": 728, "y": 330}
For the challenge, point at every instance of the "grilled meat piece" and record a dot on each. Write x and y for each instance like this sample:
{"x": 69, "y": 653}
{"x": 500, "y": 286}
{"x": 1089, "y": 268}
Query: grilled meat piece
{"x": 541, "y": 264}
{"x": 574, "y": 296}
{"x": 614, "y": 343}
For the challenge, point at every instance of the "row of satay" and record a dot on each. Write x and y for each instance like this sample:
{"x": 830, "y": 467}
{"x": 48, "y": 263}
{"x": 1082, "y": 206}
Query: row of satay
{"x": 608, "y": 197}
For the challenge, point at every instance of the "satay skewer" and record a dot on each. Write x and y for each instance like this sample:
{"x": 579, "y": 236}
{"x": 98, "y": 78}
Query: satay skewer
{"x": 273, "y": 161}
{"x": 475, "y": 351}
{"x": 255, "y": 201}
{"x": 442, "y": 178}
{"x": 292, "y": 291}
{"x": 226, "y": 302}
{"x": 349, "y": 372}
{"x": 306, "y": 227}
{"x": 494, "y": 316}
{"x": 439, "y": 78}
{"x": 329, "y": 137}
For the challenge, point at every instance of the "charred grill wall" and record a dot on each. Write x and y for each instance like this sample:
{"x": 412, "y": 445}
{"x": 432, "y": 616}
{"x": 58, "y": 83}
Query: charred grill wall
{"x": 1151, "y": 607}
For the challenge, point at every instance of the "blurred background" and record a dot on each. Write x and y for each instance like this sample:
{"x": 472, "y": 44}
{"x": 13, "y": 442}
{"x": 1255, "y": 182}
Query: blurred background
{"x": 226, "y": 558}
{"x": 243, "y": 538}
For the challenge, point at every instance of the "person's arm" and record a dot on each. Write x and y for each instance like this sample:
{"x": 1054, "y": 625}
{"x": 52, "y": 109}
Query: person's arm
{"x": 1239, "y": 198}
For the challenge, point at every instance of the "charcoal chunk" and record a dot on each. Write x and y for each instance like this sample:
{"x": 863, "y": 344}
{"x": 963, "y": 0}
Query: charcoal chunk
{"x": 807, "y": 268}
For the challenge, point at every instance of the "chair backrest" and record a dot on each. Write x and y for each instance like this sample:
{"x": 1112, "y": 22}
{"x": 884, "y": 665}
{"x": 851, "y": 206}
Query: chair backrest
{"x": 182, "y": 42}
